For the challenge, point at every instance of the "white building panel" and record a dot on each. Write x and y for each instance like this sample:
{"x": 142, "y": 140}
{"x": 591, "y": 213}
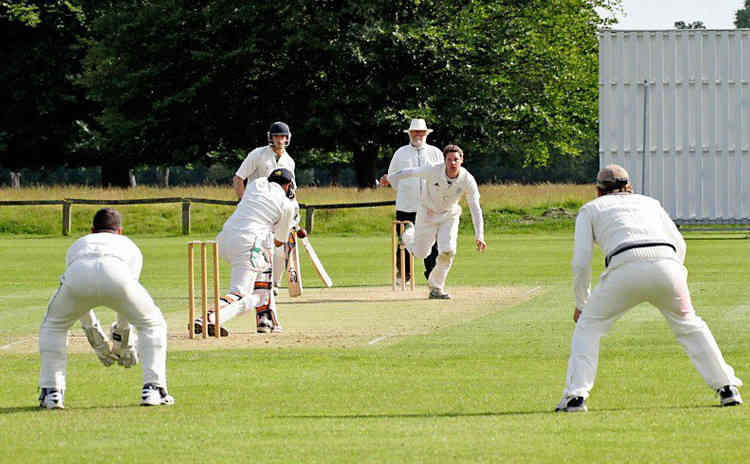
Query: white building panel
{"x": 689, "y": 90}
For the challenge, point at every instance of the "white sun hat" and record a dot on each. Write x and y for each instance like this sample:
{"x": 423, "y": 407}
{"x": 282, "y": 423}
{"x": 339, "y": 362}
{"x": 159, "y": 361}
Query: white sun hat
{"x": 418, "y": 125}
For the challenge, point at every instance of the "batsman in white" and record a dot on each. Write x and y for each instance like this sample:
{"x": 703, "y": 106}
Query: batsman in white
{"x": 102, "y": 269}
{"x": 418, "y": 153}
{"x": 644, "y": 262}
{"x": 267, "y": 205}
{"x": 258, "y": 164}
{"x": 439, "y": 213}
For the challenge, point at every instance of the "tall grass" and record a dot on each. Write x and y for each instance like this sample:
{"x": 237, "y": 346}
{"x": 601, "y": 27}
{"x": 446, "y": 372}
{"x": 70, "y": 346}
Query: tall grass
{"x": 507, "y": 207}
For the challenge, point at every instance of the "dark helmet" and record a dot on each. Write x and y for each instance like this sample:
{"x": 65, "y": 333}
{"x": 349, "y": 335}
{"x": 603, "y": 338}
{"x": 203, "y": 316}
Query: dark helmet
{"x": 280, "y": 128}
{"x": 283, "y": 176}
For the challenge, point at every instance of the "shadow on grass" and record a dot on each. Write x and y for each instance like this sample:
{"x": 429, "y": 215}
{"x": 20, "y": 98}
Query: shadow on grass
{"x": 21, "y": 409}
{"x": 550, "y": 411}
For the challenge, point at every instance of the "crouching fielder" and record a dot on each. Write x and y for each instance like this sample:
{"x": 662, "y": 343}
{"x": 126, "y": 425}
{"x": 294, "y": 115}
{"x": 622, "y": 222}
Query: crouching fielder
{"x": 266, "y": 210}
{"x": 102, "y": 269}
{"x": 439, "y": 212}
{"x": 644, "y": 262}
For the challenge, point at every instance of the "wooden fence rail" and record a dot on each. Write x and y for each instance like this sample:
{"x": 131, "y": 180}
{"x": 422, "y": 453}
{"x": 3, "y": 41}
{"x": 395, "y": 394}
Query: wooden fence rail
{"x": 68, "y": 203}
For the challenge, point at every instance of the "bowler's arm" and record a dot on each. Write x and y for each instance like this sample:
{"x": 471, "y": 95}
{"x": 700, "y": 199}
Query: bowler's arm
{"x": 477, "y": 219}
{"x": 405, "y": 173}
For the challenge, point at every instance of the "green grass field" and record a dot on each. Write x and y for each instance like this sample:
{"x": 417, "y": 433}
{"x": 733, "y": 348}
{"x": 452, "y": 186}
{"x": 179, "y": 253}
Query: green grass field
{"x": 363, "y": 375}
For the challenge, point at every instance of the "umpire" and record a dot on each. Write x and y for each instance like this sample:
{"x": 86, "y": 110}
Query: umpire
{"x": 644, "y": 262}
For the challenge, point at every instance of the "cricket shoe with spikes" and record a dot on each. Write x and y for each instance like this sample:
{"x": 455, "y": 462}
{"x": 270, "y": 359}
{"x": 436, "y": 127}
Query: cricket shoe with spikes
{"x": 265, "y": 324}
{"x": 437, "y": 294}
{"x": 729, "y": 395}
{"x": 154, "y": 395}
{"x": 198, "y": 328}
{"x": 572, "y": 404}
{"x": 51, "y": 398}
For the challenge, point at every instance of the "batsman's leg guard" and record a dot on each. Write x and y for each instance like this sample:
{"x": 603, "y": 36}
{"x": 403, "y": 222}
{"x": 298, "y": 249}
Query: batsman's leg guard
{"x": 265, "y": 310}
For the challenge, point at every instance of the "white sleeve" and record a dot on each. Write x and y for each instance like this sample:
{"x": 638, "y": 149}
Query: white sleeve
{"x": 674, "y": 234}
{"x": 439, "y": 157}
{"x": 294, "y": 175}
{"x": 393, "y": 167}
{"x": 583, "y": 250}
{"x": 472, "y": 198}
{"x": 281, "y": 232}
{"x": 246, "y": 167}
{"x": 409, "y": 172}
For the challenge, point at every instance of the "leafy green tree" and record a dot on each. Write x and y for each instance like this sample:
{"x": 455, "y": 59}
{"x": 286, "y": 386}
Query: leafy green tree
{"x": 41, "y": 108}
{"x": 145, "y": 70}
{"x": 513, "y": 82}
{"x": 742, "y": 16}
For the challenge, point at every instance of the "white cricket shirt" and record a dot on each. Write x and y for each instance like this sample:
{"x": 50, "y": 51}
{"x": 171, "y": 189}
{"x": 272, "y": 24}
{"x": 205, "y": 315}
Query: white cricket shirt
{"x": 408, "y": 190}
{"x": 261, "y": 161}
{"x": 441, "y": 194}
{"x": 614, "y": 219}
{"x": 264, "y": 208}
{"x": 106, "y": 244}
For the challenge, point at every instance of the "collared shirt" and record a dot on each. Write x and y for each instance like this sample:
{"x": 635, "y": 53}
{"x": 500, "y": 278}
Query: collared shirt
{"x": 441, "y": 194}
{"x": 614, "y": 219}
{"x": 261, "y": 161}
{"x": 103, "y": 245}
{"x": 409, "y": 189}
{"x": 263, "y": 209}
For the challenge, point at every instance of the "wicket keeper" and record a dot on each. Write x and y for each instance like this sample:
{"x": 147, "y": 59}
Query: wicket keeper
{"x": 102, "y": 269}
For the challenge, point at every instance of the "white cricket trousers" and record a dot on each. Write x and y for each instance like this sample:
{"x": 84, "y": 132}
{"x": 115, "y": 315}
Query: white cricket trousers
{"x": 440, "y": 227}
{"x": 248, "y": 256}
{"x": 101, "y": 281}
{"x": 663, "y": 283}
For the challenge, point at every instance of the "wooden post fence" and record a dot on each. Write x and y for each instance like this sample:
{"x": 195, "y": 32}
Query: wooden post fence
{"x": 186, "y": 202}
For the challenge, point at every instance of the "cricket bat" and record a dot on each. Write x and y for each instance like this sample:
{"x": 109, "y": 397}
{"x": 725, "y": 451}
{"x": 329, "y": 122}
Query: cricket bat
{"x": 293, "y": 269}
{"x": 316, "y": 262}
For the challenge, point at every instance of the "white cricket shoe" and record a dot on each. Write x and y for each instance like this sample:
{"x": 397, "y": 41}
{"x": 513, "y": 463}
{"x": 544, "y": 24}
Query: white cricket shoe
{"x": 154, "y": 395}
{"x": 51, "y": 398}
{"x": 730, "y": 395}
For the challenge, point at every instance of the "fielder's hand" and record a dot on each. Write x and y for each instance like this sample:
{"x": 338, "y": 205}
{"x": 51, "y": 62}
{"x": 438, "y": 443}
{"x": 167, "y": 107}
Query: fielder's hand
{"x": 481, "y": 246}
{"x": 576, "y": 314}
{"x": 384, "y": 180}
{"x": 123, "y": 345}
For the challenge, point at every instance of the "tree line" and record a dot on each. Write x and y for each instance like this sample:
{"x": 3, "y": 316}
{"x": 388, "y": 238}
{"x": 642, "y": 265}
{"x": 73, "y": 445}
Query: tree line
{"x": 123, "y": 84}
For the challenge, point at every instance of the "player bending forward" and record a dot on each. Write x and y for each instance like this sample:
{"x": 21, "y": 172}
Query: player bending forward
{"x": 644, "y": 262}
{"x": 102, "y": 269}
{"x": 266, "y": 210}
{"x": 439, "y": 213}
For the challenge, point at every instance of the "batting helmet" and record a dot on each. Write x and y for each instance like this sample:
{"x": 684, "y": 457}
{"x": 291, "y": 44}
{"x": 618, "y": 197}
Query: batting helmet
{"x": 280, "y": 128}
{"x": 283, "y": 176}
